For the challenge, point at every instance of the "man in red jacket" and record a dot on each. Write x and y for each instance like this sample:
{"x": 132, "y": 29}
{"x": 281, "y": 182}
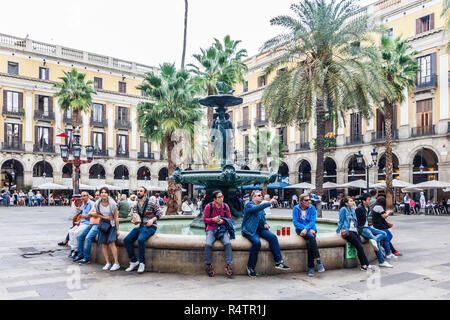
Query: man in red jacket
{"x": 213, "y": 214}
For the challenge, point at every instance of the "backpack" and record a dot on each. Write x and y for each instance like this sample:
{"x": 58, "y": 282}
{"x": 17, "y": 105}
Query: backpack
{"x": 211, "y": 211}
{"x": 161, "y": 202}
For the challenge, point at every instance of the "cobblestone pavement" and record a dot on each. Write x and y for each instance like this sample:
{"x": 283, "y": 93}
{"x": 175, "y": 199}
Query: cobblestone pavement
{"x": 32, "y": 266}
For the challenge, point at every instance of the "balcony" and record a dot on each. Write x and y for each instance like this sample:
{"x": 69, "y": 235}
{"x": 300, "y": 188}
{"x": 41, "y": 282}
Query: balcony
{"x": 42, "y": 115}
{"x": 101, "y": 153}
{"x": 354, "y": 139}
{"x": 123, "y": 124}
{"x": 243, "y": 125}
{"x": 381, "y": 135}
{"x": 69, "y": 120}
{"x": 302, "y": 146}
{"x": 422, "y": 131}
{"x": 146, "y": 155}
{"x": 98, "y": 122}
{"x": 12, "y": 147}
{"x": 19, "y": 113}
{"x": 427, "y": 82}
{"x": 261, "y": 122}
{"x": 43, "y": 148}
{"x": 122, "y": 154}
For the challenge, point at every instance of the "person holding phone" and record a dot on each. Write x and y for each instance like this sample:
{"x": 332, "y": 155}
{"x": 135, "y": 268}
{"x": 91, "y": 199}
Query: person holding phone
{"x": 379, "y": 216}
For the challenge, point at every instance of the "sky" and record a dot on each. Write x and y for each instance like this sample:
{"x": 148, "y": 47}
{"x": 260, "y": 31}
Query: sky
{"x": 149, "y": 32}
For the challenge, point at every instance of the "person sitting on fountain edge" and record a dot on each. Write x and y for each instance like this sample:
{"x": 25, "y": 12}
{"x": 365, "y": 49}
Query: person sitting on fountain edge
{"x": 149, "y": 212}
{"x": 254, "y": 226}
{"x": 217, "y": 212}
{"x": 304, "y": 217}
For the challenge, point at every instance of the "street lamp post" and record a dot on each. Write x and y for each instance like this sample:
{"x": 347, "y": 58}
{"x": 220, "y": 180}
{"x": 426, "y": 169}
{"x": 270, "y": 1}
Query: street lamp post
{"x": 76, "y": 147}
{"x": 359, "y": 160}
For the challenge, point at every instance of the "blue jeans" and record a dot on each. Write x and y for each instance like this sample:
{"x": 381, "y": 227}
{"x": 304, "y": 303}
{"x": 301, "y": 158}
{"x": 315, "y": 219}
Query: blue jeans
{"x": 86, "y": 237}
{"x": 377, "y": 235}
{"x": 387, "y": 241}
{"x": 210, "y": 239}
{"x": 39, "y": 202}
{"x": 256, "y": 246}
{"x": 30, "y": 201}
{"x": 141, "y": 234}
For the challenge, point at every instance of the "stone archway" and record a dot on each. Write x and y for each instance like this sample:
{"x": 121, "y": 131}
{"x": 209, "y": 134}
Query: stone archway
{"x": 12, "y": 176}
{"x": 97, "y": 171}
{"x": 144, "y": 174}
{"x": 304, "y": 171}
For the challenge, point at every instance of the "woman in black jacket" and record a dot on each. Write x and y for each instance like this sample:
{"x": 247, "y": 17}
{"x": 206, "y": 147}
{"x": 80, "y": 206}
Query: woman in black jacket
{"x": 379, "y": 215}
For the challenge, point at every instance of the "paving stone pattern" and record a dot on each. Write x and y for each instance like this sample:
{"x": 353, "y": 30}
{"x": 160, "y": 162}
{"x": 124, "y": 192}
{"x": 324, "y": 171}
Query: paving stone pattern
{"x": 32, "y": 267}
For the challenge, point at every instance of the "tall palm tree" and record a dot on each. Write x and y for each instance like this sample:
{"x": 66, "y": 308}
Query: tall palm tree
{"x": 174, "y": 110}
{"x": 183, "y": 56}
{"x": 399, "y": 68}
{"x": 326, "y": 51}
{"x": 75, "y": 93}
{"x": 266, "y": 147}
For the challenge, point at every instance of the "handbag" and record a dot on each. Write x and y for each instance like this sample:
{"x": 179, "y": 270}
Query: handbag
{"x": 104, "y": 225}
{"x": 345, "y": 233}
{"x": 135, "y": 218}
{"x": 390, "y": 225}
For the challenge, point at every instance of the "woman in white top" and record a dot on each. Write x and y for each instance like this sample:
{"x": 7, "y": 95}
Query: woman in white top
{"x": 187, "y": 207}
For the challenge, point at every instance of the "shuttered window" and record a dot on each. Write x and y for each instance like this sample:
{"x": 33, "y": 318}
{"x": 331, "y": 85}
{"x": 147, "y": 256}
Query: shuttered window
{"x": 97, "y": 112}
{"x": 13, "y": 100}
{"x": 424, "y": 114}
{"x": 122, "y": 87}
{"x": 13, "y": 68}
{"x": 98, "y": 83}
{"x": 13, "y": 135}
{"x": 43, "y": 73}
{"x": 425, "y": 23}
{"x": 98, "y": 142}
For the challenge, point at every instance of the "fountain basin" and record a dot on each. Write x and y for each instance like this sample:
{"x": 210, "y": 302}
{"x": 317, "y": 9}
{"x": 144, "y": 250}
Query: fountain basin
{"x": 177, "y": 253}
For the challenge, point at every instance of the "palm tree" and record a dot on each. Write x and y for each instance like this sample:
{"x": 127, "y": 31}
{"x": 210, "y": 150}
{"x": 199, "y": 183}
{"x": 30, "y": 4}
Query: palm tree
{"x": 399, "y": 68}
{"x": 325, "y": 53}
{"x": 174, "y": 111}
{"x": 265, "y": 148}
{"x": 446, "y": 13}
{"x": 75, "y": 93}
{"x": 185, "y": 31}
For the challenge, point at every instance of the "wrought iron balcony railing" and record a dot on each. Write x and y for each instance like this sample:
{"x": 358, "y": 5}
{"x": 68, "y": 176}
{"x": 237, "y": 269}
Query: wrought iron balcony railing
{"x": 42, "y": 115}
{"x": 422, "y": 131}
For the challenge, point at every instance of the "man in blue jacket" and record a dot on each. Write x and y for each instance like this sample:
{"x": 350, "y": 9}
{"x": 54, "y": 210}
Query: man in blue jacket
{"x": 254, "y": 226}
{"x": 304, "y": 218}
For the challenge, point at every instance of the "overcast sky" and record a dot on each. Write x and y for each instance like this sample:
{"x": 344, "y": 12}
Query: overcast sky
{"x": 149, "y": 32}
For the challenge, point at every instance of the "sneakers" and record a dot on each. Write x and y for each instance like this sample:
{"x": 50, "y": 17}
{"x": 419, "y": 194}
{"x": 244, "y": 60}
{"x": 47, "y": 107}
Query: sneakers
{"x": 141, "y": 268}
{"x": 115, "y": 267}
{"x": 368, "y": 268}
{"x": 282, "y": 266}
{"x": 71, "y": 254}
{"x": 397, "y": 253}
{"x": 210, "y": 270}
{"x": 132, "y": 266}
{"x": 251, "y": 272}
{"x": 374, "y": 244}
{"x": 84, "y": 261}
{"x": 62, "y": 243}
{"x": 229, "y": 270}
{"x": 310, "y": 272}
{"x": 77, "y": 259}
{"x": 320, "y": 267}
{"x": 107, "y": 266}
{"x": 391, "y": 256}
{"x": 386, "y": 265}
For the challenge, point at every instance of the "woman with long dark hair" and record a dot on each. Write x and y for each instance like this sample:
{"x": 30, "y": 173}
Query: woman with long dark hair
{"x": 379, "y": 215}
{"x": 347, "y": 228}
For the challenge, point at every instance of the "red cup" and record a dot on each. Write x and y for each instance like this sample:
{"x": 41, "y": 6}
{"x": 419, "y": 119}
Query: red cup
{"x": 283, "y": 232}
{"x": 278, "y": 232}
{"x": 288, "y": 231}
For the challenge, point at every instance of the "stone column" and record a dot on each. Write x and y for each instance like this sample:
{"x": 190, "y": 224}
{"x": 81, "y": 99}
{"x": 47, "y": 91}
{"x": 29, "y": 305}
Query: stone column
{"x": 405, "y": 173}
{"x": 404, "y": 130}
{"x": 28, "y": 121}
{"x": 442, "y": 125}
{"x": 111, "y": 138}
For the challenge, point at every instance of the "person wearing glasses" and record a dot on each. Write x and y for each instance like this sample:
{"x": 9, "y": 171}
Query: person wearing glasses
{"x": 217, "y": 213}
{"x": 254, "y": 226}
{"x": 304, "y": 217}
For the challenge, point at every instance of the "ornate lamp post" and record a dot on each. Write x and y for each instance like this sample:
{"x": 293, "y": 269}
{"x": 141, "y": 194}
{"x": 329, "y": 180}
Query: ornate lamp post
{"x": 76, "y": 148}
{"x": 359, "y": 159}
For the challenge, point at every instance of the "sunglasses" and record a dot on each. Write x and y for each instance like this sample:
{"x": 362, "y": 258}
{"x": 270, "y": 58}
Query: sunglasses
{"x": 306, "y": 200}
{"x": 258, "y": 195}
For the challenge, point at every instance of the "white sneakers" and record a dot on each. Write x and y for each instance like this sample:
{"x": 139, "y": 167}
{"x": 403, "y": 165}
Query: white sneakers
{"x": 113, "y": 268}
{"x": 374, "y": 244}
{"x": 141, "y": 268}
{"x": 132, "y": 266}
{"x": 386, "y": 265}
{"x": 391, "y": 256}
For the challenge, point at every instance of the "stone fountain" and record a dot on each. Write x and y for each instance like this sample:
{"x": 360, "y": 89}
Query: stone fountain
{"x": 227, "y": 178}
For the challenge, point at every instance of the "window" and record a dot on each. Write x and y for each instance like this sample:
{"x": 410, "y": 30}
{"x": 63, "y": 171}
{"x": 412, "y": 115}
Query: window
{"x": 122, "y": 87}
{"x": 245, "y": 115}
{"x": 122, "y": 114}
{"x": 424, "y": 114}
{"x": 282, "y": 133}
{"x": 43, "y": 73}
{"x": 12, "y": 135}
{"x": 43, "y": 105}
{"x": 146, "y": 149}
{"x": 425, "y": 24}
{"x": 13, "y": 68}
{"x": 261, "y": 81}
{"x": 424, "y": 69}
{"x": 69, "y": 113}
{"x": 12, "y": 101}
{"x": 121, "y": 144}
{"x": 261, "y": 111}
{"x": 245, "y": 86}
{"x": 304, "y": 133}
{"x": 43, "y": 136}
{"x": 355, "y": 124}
{"x": 246, "y": 147}
{"x": 97, "y": 112}
{"x": 98, "y": 83}
{"x": 144, "y": 93}
{"x": 98, "y": 141}
{"x": 389, "y": 33}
